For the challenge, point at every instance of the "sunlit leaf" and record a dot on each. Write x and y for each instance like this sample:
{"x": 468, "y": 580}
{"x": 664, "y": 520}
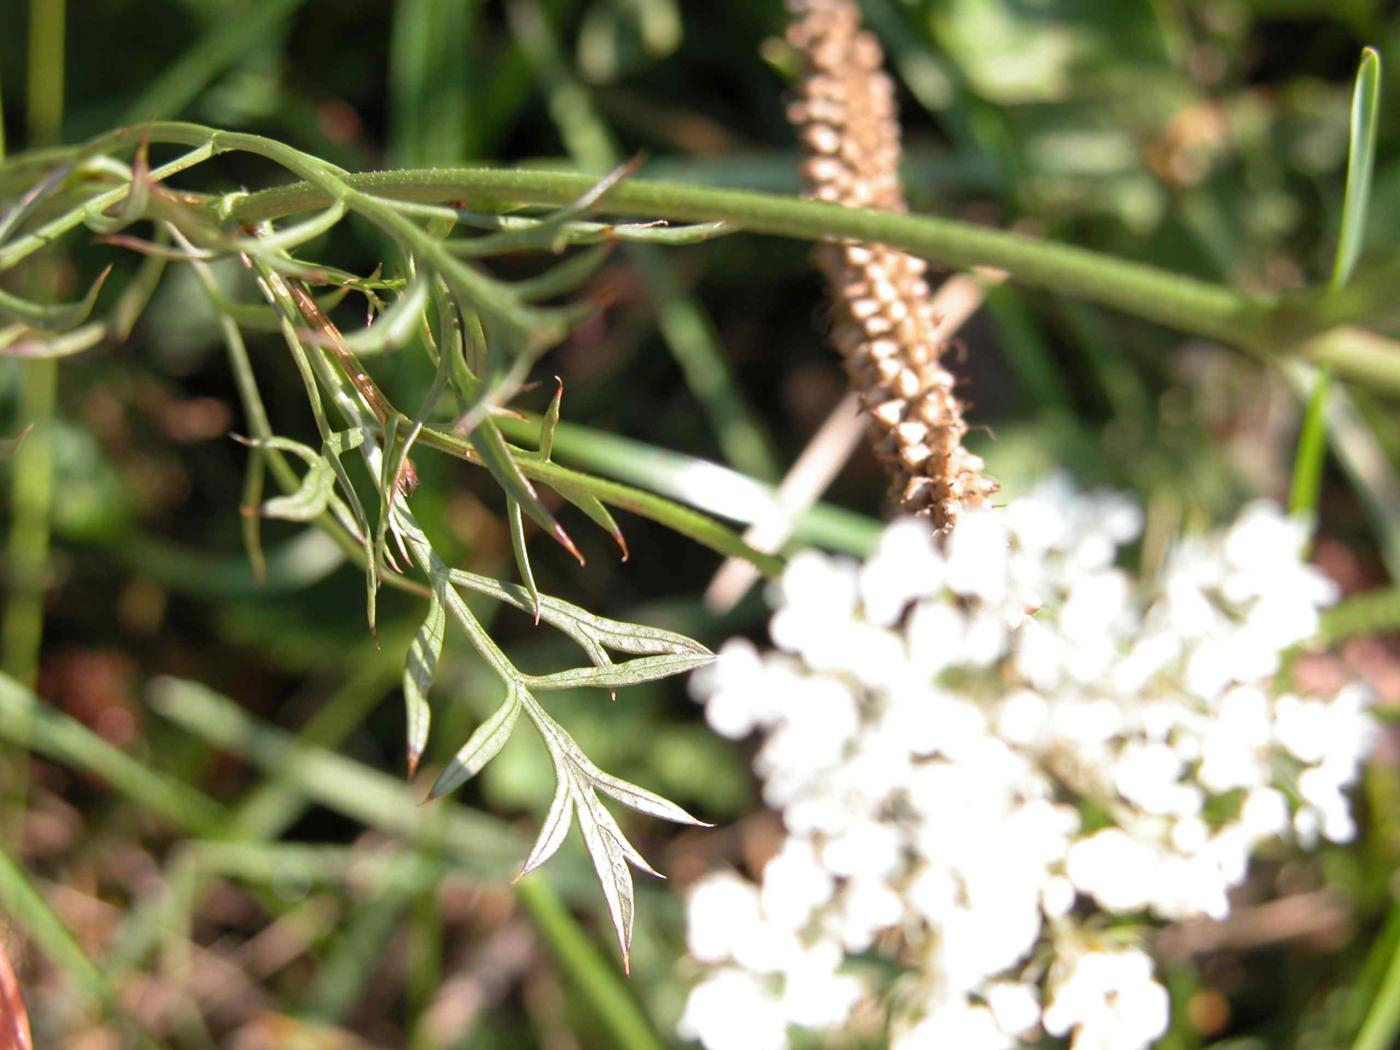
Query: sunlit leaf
{"x": 483, "y": 745}
{"x": 556, "y": 824}
{"x": 614, "y": 874}
{"x": 630, "y": 672}
{"x": 607, "y": 823}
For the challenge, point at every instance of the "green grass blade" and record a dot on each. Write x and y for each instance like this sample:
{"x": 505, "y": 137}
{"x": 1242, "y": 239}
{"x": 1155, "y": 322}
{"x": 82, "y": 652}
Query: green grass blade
{"x": 27, "y": 722}
{"x": 223, "y": 44}
{"x": 522, "y": 553}
{"x": 711, "y": 487}
{"x": 1372, "y": 612}
{"x": 430, "y": 73}
{"x": 479, "y": 844}
{"x": 580, "y": 959}
{"x": 1311, "y": 457}
{"x": 1383, "y": 1020}
{"x": 24, "y": 903}
{"x": 1361, "y": 160}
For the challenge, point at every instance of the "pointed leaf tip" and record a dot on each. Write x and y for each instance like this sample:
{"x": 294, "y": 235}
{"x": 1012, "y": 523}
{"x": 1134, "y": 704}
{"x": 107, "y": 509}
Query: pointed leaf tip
{"x": 567, "y": 543}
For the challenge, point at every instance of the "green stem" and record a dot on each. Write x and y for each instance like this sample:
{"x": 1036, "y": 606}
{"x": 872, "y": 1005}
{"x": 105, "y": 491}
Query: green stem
{"x": 1173, "y": 299}
{"x": 586, "y": 966}
{"x": 47, "y": 20}
{"x": 1262, "y": 325}
{"x": 1383, "y": 1020}
{"x": 31, "y": 488}
{"x": 1158, "y": 295}
{"x": 31, "y": 496}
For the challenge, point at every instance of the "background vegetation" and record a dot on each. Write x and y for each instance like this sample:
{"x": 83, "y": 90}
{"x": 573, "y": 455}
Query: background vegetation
{"x": 240, "y": 865}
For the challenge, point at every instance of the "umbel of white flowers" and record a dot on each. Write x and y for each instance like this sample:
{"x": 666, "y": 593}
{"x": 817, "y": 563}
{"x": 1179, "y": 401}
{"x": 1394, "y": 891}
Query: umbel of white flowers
{"x": 981, "y": 751}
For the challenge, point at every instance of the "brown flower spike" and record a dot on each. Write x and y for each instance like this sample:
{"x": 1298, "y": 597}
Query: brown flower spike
{"x": 883, "y": 323}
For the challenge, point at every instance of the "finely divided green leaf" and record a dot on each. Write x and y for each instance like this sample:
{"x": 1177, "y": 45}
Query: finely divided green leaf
{"x": 616, "y": 634}
{"x": 555, "y": 827}
{"x": 497, "y": 458}
{"x": 608, "y": 824}
{"x": 308, "y": 502}
{"x": 639, "y": 798}
{"x": 630, "y": 672}
{"x": 610, "y": 862}
{"x": 597, "y": 511}
{"x": 483, "y": 746}
{"x": 419, "y": 670}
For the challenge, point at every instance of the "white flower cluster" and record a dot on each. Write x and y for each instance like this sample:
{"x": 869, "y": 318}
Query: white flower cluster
{"x": 982, "y": 749}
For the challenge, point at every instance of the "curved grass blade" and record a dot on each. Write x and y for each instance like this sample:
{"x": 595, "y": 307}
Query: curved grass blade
{"x": 563, "y": 278}
{"x": 293, "y": 236}
{"x": 23, "y": 343}
{"x": 483, "y": 745}
{"x": 395, "y": 326}
{"x": 522, "y": 554}
{"x": 52, "y": 317}
{"x": 1361, "y": 160}
{"x": 1311, "y": 456}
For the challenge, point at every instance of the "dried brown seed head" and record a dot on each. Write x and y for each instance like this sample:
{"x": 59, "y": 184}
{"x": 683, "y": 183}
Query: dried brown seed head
{"x": 883, "y": 323}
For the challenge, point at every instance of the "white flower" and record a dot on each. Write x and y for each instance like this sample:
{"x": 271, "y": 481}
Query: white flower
{"x": 1115, "y": 869}
{"x": 1016, "y": 1007}
{"x": 956, "y": 1024}
{"x": 932, "y": 748}
{"x": 1232, "y": 747}
{"x": 719, "y": 909}
{"x": 905, "y": 567}
{"x": 814, "y": 994}
{"x": 1110, "y": 1001}
{"x": 733, "y": 1010}
{"x": 795, "y": 885}
{"x": 730, "y": 688}
{"x": 977, "y": 556}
